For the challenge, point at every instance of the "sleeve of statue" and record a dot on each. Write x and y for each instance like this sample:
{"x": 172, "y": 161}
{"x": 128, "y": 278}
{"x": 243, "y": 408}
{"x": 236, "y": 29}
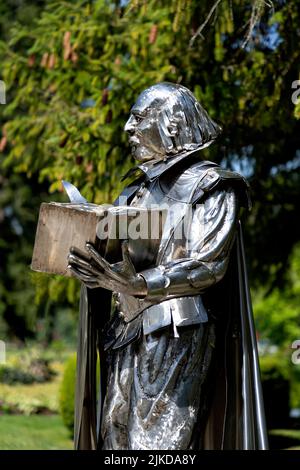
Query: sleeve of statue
{"x": 211, "y": 236}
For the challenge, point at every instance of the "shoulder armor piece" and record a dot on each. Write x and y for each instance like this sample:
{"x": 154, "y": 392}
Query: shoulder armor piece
{"x": 179, "y": 183}
{"x": 214, "y": 177}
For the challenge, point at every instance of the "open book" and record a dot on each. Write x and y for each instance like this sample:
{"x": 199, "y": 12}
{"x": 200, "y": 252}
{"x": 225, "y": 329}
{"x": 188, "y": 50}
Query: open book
{"x": 65, "y": 225}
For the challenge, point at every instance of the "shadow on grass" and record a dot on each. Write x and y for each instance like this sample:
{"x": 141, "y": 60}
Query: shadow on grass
{"x": 284, "y": 439}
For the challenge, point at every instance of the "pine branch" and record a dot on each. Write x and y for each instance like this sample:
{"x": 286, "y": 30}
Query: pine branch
{"x": 202, "y": 26}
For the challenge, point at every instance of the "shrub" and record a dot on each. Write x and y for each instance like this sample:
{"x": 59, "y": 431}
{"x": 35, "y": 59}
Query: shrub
{"x": 12, "y": 375}
{"x": 28, "y": 370}
{"x": 276, "y": 389}
{"x": 295, "y": 386}
{"x": 34, "y": 398}
{"x": 67, "y": 393}
{"x": 274, "y": 366}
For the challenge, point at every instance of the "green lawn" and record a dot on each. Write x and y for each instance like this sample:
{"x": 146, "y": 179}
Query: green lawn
{"x": 19, "y": 432}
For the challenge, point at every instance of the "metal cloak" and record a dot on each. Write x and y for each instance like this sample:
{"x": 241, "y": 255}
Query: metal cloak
{"x": 234, "y": 416}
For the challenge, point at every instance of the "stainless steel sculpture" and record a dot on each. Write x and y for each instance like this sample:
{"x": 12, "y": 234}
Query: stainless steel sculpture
{"x": 180, "y": 343}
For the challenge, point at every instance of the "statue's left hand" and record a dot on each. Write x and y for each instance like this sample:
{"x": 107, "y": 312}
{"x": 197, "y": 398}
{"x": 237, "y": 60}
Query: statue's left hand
{"x": 119, "y": 277}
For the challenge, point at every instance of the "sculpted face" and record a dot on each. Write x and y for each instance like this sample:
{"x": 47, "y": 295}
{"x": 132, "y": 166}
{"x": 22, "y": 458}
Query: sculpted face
{"x": 143, "y": 128}
{"x": 166, "y": 120}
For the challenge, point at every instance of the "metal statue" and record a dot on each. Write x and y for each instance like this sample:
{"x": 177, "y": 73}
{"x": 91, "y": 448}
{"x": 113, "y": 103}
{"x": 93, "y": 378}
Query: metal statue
{"x": 179, "y": 366}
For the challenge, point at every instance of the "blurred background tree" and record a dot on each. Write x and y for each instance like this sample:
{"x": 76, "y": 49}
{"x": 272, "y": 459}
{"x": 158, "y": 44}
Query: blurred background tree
{"x": 73, "y": 70}
{"x": 24, "y": 312}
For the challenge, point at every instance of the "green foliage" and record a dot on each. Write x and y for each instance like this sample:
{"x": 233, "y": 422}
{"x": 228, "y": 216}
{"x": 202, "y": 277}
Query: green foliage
{"x": 72, "y": 71}
{"x": 277, "y": 313}
{"x": 28, "y": 399}
{"x": 277, "y": 316}
{"x": 277, "y": 368}
{"x": 67, "y": 394}
{"x": 274, "y": 367}
{"x": 21, "y": 371}
{"x": 295, "y": 387}
{"x": 276, "y": 390}
{"x": 17, "y": 217}
{"x": 39, "y": 394}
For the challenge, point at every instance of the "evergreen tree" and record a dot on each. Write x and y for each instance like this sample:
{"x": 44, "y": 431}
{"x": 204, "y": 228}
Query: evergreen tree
{"x": 73, "y": 73}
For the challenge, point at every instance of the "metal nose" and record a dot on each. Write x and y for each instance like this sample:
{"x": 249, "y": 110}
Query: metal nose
{"x": 129, "y": 126}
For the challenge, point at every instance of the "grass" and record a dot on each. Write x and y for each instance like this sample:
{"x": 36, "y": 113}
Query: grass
{"x": 30, "y": 431}
{"x": 19, "y": 432}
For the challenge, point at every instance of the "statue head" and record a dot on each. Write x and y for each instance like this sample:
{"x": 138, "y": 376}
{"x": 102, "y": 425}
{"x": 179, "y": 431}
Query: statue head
{"x": 167, "y": 120}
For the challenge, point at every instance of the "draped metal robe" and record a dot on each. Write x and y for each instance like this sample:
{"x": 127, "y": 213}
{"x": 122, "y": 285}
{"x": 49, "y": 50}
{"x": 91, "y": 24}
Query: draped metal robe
{"x": 235, "y": 415}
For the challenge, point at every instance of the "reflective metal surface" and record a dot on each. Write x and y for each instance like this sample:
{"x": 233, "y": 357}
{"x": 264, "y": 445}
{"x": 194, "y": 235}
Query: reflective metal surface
{"x": 180, "y": 345}
{"x": 73, "y": 193}
{"x": 167, "y": 119}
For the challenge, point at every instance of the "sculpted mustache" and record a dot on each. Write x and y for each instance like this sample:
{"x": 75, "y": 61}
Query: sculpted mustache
{"x": 134, "y": 141}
